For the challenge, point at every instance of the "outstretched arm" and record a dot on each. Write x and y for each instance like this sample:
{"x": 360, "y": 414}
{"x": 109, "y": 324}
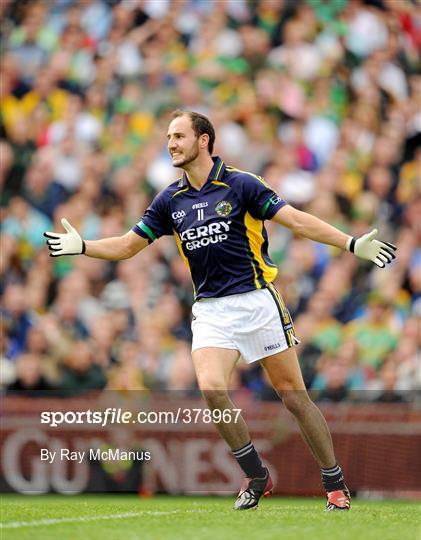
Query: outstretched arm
{"x": 112, "y": 249}
{"x": 309, "y": 226}
{"x": 366, "y": 247}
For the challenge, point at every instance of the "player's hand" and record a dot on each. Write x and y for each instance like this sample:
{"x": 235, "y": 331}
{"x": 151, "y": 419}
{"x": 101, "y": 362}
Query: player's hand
{"x": 380, "y": 253}
{"x": 69, "y": 243}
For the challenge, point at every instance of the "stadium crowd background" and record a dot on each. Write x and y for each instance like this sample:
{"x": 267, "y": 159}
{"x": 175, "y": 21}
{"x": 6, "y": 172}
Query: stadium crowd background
{"x": 321, "y": 98}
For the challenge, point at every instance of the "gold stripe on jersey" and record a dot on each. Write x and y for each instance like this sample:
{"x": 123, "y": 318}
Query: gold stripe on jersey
{"x": 218, "y": 183}
{"x": 254, "y": 228}
{"x": 180, "y": 191}
{"x": 230, "y": 169}
{"x": 219, "y": 169}
{"x": 256, "y": 276}
{"x": 186, "y": 262}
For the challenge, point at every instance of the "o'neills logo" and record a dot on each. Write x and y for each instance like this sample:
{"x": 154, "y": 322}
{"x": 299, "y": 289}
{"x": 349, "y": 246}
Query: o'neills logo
{"x": 223, "y": 208}
{"x": 205, "y": 234}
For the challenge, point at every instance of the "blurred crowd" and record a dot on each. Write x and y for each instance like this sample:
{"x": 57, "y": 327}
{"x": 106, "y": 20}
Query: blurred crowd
{"x": 321, "y": 98}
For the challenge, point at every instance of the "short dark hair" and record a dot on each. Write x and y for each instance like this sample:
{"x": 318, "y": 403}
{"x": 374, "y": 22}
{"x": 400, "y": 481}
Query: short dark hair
{"x": 200, "y": 124}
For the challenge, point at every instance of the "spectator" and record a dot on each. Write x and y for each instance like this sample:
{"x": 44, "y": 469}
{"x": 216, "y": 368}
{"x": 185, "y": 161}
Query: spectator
{"x": 373, "y": 333}
{"x": 384, "y": 389}
{"x": 17, "y": 317}
{"x": 41, "y": 191}
{"x": 30, "y": 380}
{"x": 80, "y": 373}
{"x": 335, "y": 389}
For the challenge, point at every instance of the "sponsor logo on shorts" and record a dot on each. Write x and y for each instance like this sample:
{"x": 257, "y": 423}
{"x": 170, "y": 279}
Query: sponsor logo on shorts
{"x": 223, "y": 208}
{"x": 272, "y": 347}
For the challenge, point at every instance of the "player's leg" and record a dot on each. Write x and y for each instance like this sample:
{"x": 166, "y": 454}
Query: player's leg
{"x": 214, "y": 367}
{"x": 285, "y": 375}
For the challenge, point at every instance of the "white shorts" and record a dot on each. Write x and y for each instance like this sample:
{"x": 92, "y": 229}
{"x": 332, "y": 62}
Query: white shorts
{"x": 255, "y": 323}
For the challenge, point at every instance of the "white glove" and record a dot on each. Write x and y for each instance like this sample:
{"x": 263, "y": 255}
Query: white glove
{"x": 380, "y": 253}
{"x": 65, "y": 244}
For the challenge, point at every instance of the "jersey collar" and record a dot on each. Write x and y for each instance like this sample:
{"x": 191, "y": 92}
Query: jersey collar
{"x": 217, "y": 172}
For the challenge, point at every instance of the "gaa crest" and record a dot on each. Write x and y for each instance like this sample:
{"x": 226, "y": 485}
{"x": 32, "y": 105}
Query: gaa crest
{"x": 223, "y": 208}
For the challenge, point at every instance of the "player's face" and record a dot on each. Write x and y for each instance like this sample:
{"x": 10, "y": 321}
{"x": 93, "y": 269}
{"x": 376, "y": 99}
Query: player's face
{"x": 183, "y": 145}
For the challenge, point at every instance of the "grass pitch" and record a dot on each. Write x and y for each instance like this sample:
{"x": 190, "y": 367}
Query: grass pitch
{"x": 109, "y": 517}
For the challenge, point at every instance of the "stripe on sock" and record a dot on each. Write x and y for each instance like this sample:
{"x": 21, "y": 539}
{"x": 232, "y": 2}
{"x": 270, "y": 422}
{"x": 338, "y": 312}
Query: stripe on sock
{"x": 332, "y": 478}
{"x": 244, "y": 453}
{"x": 329, "y": 469}
{"x": 244, "y": 450}
{"x": 333, "y": 473}
{"x": 249, "y": 461}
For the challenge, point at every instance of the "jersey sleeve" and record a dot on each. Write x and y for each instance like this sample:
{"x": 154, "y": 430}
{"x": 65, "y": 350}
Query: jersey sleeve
{"x": 260, "y": 199}
{"x": 155, "y": 221}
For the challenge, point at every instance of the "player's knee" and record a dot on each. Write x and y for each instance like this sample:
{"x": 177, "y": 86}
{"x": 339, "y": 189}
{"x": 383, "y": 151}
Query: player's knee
{"x": 210, "y": 382}
{"x": 296, "y": 401}
{"x": 216, "y": 398}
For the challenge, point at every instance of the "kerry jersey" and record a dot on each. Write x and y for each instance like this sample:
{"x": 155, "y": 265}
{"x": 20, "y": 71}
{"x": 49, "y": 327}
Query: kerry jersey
{"x": 219, "y": 229}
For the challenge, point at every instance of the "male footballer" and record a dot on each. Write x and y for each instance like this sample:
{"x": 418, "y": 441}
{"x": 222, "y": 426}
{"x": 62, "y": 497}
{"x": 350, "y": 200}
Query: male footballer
{"x": 217, "y": 214}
